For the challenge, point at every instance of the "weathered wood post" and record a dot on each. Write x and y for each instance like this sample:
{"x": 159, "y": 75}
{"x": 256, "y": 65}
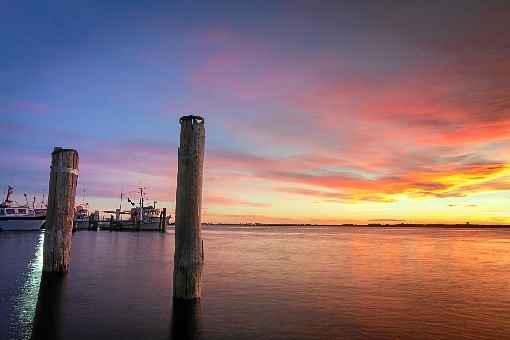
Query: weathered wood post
{"x": 96, "y": 220}
{"x": 188, "y": 258}
{"x": 162, "y": 221}
{"x": 60, "y": 212}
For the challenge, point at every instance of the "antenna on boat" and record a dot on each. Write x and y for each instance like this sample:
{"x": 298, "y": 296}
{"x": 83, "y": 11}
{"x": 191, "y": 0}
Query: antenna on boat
{"x": 141, "y": 202}
{"x": 83, "y": 195}
{"x": 10, "y": 190}
{"x": 26, "y": 199}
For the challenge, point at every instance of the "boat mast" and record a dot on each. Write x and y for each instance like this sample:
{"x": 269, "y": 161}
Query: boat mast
{"x": 141, "y": 203}
{"x": 83, "y": 196}
{"x": 7, "y": 200}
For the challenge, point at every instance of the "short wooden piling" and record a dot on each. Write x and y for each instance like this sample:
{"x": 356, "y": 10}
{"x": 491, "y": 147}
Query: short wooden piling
{"x": 60, "y": 212}
{"x": 188, "y": 258}
{"x": 97, "y": 219}
{"x": 163, "y": 221}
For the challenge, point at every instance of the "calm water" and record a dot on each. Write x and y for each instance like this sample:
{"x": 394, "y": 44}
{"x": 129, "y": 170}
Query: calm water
{"x": 265, "y": 283}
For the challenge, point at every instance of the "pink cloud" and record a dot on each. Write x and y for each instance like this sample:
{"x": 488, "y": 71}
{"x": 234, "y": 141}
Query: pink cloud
{"x": 225, "y": 201}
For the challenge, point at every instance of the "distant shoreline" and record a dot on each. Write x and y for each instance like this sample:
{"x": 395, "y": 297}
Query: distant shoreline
{"x": 371, "y": 225}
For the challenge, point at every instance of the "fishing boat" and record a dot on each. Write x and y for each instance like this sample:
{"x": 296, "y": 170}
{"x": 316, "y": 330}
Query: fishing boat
{"x": 15, "y": 217}
{"x": 81, "y": 215}
{"x": 141, "y": 217}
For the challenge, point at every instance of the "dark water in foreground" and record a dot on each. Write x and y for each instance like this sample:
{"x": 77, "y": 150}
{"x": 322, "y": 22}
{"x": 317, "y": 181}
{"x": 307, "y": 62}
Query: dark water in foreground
{"x": 266, "y": 283}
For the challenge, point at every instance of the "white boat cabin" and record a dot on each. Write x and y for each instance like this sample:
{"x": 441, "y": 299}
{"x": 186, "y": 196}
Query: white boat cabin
{"x": 15, "y": 212}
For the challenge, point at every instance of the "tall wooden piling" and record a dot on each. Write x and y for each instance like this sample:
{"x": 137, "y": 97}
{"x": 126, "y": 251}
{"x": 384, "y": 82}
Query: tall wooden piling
{"x": 60, "y": 212}
{"x": 188, "y": 258}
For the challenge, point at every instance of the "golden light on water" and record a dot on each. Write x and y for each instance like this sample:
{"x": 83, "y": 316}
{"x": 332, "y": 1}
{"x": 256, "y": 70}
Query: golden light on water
{"x": 27, "y": 299}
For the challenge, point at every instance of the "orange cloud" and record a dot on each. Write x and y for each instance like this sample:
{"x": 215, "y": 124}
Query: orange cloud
{"x": 468, "y": 179}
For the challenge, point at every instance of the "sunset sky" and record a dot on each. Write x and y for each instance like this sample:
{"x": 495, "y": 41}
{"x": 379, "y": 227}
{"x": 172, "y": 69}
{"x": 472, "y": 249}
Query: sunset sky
{"x": 315, "y": 111}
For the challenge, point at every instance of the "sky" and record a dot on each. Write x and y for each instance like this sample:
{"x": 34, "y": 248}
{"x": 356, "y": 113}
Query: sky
{"x": 315, "y": 111}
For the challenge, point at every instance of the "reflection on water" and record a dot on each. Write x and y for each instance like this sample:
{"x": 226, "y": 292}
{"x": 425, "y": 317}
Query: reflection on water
{"x": 47, "y": 316}
{"x": 185, "y": 320}
{"x": 281, "y": 283}
{"x": 25, "y": 304}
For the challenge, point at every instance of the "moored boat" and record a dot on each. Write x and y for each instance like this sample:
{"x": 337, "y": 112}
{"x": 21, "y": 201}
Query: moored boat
{"x": 81, "y": 215}
{"x": 19, "y": 217}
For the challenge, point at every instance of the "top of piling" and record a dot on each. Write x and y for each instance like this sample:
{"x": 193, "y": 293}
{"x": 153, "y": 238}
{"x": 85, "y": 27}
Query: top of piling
{"x": 58, "y": 149}
{"x": 195, "y": 119}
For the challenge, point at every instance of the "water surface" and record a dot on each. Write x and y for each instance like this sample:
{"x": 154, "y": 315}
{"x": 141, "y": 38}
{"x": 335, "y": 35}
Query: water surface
{"x": 266, "y": 282}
